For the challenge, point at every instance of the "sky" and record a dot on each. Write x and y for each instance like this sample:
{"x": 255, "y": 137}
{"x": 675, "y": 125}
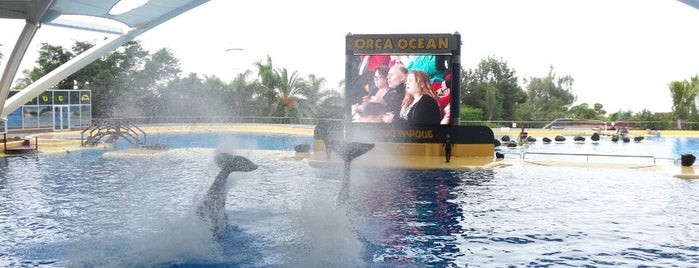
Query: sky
{"x": 621, "y": 54}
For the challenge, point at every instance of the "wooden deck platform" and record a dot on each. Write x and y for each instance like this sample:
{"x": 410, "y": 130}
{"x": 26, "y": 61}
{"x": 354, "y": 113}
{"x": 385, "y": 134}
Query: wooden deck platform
{"x": 25, "y": 147}
{"x": 22, "y": 150}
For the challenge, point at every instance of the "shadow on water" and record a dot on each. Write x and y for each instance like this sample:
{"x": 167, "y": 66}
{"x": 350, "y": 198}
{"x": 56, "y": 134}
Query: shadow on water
{"x": 412, "y": 217}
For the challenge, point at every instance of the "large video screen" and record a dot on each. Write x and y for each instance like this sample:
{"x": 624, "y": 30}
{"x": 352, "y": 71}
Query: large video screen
{"x": 412, "y": 89}
{"x": 400, "y": 79}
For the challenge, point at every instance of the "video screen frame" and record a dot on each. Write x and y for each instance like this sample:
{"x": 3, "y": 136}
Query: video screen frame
{"x": 372, "y": 79}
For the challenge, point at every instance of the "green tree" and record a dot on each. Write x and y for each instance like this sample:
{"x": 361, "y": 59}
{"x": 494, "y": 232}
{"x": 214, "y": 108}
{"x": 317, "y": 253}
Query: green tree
{"x": 548, "y": 97}
{"x": 684, "y": 94}
{"x": 286, "y": 94}
{"x": 470, "y": 114}
{"x": 492, "y": 87}
{"x": 50, "y": 58}
{"x": 331, "y": 103}
{"x": 621, "y": 116}
{"x": 583, "y": 111}
{"x": 193, "y": 96}
{"x": 599, "y": 110}
{"x": 267, "y": 83}
{"x": 243, "y": 95}
{"x": 646, "y": 119}
{"x": 123, "y": 83}
{"x": 309, "y": 92}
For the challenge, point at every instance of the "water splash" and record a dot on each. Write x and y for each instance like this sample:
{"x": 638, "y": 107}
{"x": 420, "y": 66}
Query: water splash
{"x": 329, "y": 238}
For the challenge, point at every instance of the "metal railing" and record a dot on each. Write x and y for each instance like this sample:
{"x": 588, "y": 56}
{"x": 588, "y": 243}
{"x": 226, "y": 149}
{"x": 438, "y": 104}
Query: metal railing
{"x": 113, "y": 129}
{"x": 522, "y": 155}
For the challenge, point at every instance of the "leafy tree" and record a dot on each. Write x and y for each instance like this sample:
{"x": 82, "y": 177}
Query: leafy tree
{"x": 331, "y": 105}
{"x": 492, "y": 87}
{"x": 646, "y": 119}
{"x": 599, "y": 110}
{"x": 308, "y": 93}
{"x": 470, "y": 114}
{"x": 621, "y": 116}
{"x": 286, "y": 94}
{"x": 123, "y": 83}
{"x": 192, "y": 96}
{"x": 126, "y": 81}
{"x": 243, "y": 95}
{"x": 548, "y": 97}
{"x": 684, "y": 94}
{"x": 50, "y": 58}
{"x": 268, "y": 81}
{"x": 583, "y": 111}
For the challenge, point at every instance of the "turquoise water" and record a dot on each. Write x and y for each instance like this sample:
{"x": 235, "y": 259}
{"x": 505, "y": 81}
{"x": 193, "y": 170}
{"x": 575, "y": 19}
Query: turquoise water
{"x": 661, "y": 149}
{"x": 89, "y": 209}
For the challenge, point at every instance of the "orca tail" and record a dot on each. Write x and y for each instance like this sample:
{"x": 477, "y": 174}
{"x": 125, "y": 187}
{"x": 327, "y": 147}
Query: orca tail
{"x": 229, "y": 162}
{"x": 351, "y": 150}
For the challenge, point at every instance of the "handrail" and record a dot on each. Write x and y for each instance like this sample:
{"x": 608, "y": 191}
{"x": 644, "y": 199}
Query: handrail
{"x": 522, "y": 155}
{"x": 115, "y": 128}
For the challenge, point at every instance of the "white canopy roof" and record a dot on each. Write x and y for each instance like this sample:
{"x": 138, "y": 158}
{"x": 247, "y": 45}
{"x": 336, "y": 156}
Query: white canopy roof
{"x": 92, "y": 15}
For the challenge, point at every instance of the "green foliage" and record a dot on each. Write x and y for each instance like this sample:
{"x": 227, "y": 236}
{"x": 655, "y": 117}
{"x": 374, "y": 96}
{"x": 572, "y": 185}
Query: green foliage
{"x": 548, "y": 97}
{"x": 583, "y": 111}
{"x": 493, "y": 87}
{"x": 192, "y": 96}
{"x": 467, "y": 113}
{"x": 243, "y": 92}
{"x": 646, "y": 119}
{"x": 124, "y": 83}
{"x": 684, "y": 95}
{"x": 621, "y": 116}
{"x": 133, "y": 82}
{"x": 50, "y": 57}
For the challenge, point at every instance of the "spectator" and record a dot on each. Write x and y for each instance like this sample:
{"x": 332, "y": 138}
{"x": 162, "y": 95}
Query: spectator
{"x": 419, "y": 105}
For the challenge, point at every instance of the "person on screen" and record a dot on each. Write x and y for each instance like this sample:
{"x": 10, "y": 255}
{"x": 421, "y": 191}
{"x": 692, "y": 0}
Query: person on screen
{"x": 367, "y": 67}
{"x": 444, "y": 95}
{"x": 372, "y": 113}
{"x": 396, "y": 92}
{"x": 380, "y": 89}
{"x": 420, "y": 103}
{"x": 380, "y": 85}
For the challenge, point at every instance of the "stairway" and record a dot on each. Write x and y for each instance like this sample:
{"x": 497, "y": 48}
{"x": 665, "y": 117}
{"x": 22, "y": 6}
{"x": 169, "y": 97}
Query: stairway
{"x": 111, "y": 130}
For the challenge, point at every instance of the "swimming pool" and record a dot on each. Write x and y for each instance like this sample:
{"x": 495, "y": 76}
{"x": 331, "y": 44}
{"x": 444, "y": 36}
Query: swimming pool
{"x": 90, "y": 209}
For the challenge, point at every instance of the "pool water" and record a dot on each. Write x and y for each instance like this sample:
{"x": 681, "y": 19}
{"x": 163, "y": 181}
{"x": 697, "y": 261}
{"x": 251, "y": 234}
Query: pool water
{"x": 660, "y": 149}
{"x": 90, "y": 209}
{"x": 238, "y": 140}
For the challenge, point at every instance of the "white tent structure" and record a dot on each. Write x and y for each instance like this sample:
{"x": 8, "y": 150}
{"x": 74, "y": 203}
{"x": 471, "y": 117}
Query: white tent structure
{"x": 692, "y": 3}
{"x": 125, "y": 19}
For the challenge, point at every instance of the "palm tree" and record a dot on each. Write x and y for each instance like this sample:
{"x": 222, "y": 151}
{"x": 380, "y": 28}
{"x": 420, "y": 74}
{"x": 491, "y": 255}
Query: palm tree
{"x": 684, "y": 94}
{"x": 267, "y": 82}
{"x": 311, "y": 90}
{"x": 286, "y": 94}
{"x": 243, "y": 94}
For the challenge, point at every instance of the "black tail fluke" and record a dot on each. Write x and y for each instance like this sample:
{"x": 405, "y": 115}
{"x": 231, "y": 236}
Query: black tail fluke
{"x": 233, "y": 163}
{"x": 350, "y": 150}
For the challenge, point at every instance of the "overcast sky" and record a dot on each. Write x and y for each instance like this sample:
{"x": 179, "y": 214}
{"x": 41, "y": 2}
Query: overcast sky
{"x": 621, "y": 53}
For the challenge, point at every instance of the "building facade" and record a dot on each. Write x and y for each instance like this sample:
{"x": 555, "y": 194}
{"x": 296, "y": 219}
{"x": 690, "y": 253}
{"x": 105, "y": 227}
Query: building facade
{"x": 58, "y": 109}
